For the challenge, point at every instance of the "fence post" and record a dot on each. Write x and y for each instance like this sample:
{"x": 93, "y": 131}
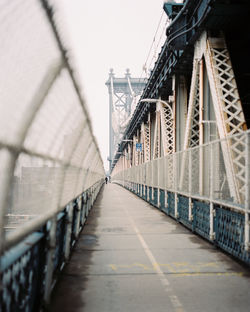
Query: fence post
{"x": 247, "y": 190}
{"x": 175, "y": 188}
{"x": 166, "y": 177}
{"x": 149, "y": 169}
{"x": 211, "y": 193}
{"x": 68, "y": 231}
{"x": 78, "y": 214}
{"x": 50, "y": 260}
{"x": 84, "y": 206}
{"x": 190, "y": 189}
{"x": 159, "y": 172}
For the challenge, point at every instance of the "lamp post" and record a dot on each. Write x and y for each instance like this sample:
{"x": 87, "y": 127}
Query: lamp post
{"x": 160, "y": 101}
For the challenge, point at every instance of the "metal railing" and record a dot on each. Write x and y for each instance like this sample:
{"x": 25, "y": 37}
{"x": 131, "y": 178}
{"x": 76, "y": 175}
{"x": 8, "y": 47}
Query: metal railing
{"x": 195, "y": 187}
{"x": 50, "y": 166}
{"x": 198, "y": 172}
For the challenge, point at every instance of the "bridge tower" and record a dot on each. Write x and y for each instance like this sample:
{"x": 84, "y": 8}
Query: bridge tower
{"x": 123, "y": 96}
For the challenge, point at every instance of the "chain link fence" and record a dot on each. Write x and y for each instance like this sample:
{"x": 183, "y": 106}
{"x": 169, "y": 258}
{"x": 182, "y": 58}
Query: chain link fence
{"x": 48, "y": 154}
{"x": 205, "y": 172}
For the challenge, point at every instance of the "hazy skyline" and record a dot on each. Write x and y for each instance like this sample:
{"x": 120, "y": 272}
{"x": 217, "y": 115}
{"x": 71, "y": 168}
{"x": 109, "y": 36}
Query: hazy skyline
{"x": 108, "y": 34}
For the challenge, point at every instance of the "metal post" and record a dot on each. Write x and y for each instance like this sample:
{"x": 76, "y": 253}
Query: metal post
{"x": 159, "y": 171}
{"x": 166, "y": 199}
{"x": 149, "y": 164}
{"x": 190, "y": 204}
{"x": 81, "y": 208}
{"x": 175, "y": 188}
{"x": 123, "y": 168}
{"x": 92, "y": 196}
{"x": 87, "y": 206}
{"x": 201, "y": 130}
{"x": 50, "y": 260}
{"x": 84, "y": 207}
{"x": 78, "y": 213}
{"x": 247, "y": 190}
{"x": 211, "y": 177}
{"x": 152, "y": 180}
{"x": 166, "y": 160}
{"x": 68, "y": 231}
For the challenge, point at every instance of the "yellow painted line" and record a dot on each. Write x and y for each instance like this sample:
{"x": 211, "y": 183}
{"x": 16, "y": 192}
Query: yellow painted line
{"x": 180, "y": 273}
{"x": 113, "y": 267}
{"x": 180, "y": 264}
{"x": 174, "y": 267}
{"x": 141, "y": 265}
{"x": 178, "y": 307}
{"x": 209, "y": 274}
{"x": 169, "y": 266}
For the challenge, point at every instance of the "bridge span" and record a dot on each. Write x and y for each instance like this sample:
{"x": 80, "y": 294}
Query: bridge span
{"x": 171, "y": 233}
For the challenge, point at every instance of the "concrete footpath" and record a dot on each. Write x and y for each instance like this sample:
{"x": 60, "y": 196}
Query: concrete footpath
{"x": 132, "y": 257}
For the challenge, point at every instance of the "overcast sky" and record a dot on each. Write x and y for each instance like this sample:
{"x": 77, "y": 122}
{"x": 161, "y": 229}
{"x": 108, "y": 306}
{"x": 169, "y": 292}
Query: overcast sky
{"x": 108, "y": 34}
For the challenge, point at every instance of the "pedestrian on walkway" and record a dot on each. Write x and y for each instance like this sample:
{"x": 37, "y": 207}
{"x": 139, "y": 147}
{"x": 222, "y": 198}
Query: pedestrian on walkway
{"x": 106, "y": 180}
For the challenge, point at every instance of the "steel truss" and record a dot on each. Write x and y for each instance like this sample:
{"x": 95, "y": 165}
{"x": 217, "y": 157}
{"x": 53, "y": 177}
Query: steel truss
{"x": 228, "y": 109}
{"x": 145, "y": 133}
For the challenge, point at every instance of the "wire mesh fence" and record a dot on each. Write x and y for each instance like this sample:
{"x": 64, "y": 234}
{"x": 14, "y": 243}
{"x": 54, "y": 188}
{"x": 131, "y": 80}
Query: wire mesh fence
{"x": 205, "y": 171}
{"x": 48, "y": 154}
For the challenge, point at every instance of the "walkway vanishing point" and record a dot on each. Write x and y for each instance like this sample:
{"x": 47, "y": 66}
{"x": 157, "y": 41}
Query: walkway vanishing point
{"x": 132, "y": 257}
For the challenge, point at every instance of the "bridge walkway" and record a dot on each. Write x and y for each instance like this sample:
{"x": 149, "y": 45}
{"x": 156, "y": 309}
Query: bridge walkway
{"x": 132, "y": 257}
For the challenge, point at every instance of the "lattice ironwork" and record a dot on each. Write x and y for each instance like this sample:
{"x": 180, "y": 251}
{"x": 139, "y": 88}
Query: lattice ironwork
{"x": 157, "y": 142}
{"x": 238, "y": 146}
{"x": 195, "y": 163}
{"x": 192, "y": 128}
{"x": 22, "y": 279}
{"x": 228, "y": 110}
{"x": 135, "y": 152}
{"x": 171, "y": 204}
{"x": 146, "y": 142}
{"x": 229, "y": 229}
{"x": 169, "y": 171}
{"x": 226, "y": 86}
{"x": 162, "y": 199}
{"x": 201, "y": 213}
{"x": 183, "y": 210}
{"x": 167, "y": 129}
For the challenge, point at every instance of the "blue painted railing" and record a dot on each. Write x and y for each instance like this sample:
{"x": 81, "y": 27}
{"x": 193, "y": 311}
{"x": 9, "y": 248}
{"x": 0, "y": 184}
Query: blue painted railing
{"x": 24, "y": 268}
{"x": 227, "y": 230}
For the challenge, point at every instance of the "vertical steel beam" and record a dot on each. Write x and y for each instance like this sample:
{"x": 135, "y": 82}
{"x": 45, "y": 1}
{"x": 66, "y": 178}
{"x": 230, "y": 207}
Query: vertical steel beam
{"x": 201, "y": 129}
{"x": 190, "y": 183}
{"x": 247, "y": 191}
{"x": 174, "y": 113}
{"x": 211, "y": 191}
{"x": 158, "y": 182}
